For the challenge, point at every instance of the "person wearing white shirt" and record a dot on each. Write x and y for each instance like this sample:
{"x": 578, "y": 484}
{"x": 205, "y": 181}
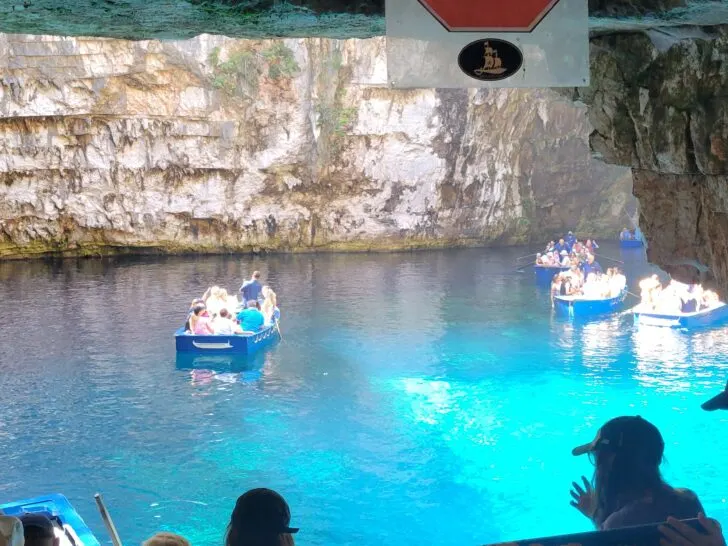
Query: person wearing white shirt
{"x": 223, "y": 324}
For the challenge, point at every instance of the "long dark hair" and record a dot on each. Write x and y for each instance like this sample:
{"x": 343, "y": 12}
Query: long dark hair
{"x": 622, "y": 476}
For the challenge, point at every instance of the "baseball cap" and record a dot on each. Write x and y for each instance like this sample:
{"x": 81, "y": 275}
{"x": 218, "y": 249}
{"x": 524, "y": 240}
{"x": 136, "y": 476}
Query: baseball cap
{"x": 40, "y": 523}
{"x": 263, "y": 510}
{"x": 719, "y": 401}
{"x": 630, "y": 433}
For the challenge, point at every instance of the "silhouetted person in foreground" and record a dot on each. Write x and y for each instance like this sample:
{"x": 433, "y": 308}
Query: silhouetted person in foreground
{"x": 628, "y": 487}
{"x": 261, "y": 518}
{"x": 38, "y": 530}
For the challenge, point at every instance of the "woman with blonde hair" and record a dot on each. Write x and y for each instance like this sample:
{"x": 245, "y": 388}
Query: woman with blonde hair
{"x": 166, "y": 539}
{"x": 270, "y": 306}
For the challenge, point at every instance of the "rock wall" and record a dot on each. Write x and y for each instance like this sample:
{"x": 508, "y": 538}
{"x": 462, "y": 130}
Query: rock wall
{"x": 659, "y": 104}
{"x": 214, "y": 144}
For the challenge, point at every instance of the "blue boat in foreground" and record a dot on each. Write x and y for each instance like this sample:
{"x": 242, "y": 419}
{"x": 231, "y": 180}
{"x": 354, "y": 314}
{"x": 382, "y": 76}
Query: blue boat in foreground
{"x": 70, "y": 528}
{"x": 631, "y": 243}
{"x": 579, "y": 306}
{"x": 238, "y": 344}
{"x": 705, "y": 317}
{"x": 545, "y": 273}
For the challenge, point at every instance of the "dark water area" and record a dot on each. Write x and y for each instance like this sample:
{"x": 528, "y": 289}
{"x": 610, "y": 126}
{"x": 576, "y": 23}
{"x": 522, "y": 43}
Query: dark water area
{"x": 416, "y": 397}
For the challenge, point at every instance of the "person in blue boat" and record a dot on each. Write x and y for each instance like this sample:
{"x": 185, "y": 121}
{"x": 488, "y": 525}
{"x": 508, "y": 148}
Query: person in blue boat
{"x": 252, "y": 289}
{"x": 591, "y": 266}
{"x": 628, "y": 488}
{"x": 626, "y": 235}
{"x": 570, "y": 239}
{"x": 561, "y": 246}
{"x": 250, "y": 318}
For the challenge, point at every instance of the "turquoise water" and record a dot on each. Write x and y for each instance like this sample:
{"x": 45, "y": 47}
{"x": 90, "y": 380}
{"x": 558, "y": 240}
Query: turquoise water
{"x": 428, "y": 397}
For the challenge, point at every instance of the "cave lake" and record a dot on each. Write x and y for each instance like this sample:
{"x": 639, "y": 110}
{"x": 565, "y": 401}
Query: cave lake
{"x": 415, "y": 398}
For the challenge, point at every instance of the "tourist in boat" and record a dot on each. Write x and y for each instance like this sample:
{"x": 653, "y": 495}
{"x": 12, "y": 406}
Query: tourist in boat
{"x": 250, "y": 318}
{"x": 591, "y": 266}
{"x": 251, "y": 289}
{"x": 560, "y": 246}
{"x": 565, "y": 261}
{"x": 216, "y": 298}
{"x": 628, "y": 488}
{"x": 570, "y": 239}
{"x": 556, "y": 286}
{"x": 223, "y": 324}
{"x": 617, "y": 282}
{"x": 270, "y": 310}
{"x": 200, "y": 323}
{"x": 194, "y": 304}
{"x": 591, "y": 245}
{"x": 261, "y": 518}
{"x": 710, "y": 299}
{"x": 626, "y": 235}
{"x": 166, "y": 539}
{"x": 649, "y": 290}
{"x": 38, "y": 530}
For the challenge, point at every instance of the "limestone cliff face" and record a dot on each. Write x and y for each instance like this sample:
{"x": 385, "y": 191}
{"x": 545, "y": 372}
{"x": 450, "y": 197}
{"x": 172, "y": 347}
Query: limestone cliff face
{"x": 659, "y": 103}
{"x": 217, "y": 144}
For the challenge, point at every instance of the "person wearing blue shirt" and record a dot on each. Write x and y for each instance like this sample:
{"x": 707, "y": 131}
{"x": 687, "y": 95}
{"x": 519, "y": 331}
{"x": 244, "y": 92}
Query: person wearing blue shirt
{"x": 561, "y": 246}
{"x": 591, "y": 266}
{"x": 570, "y": 239}
{"x": 251, "y": 319}
{"x": 251, "y": 289}
{"x": 626, "y": 235}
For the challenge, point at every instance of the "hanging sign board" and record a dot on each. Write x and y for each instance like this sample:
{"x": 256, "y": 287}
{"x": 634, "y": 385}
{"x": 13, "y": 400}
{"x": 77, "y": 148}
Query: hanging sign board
{"x": 487, "y": 43}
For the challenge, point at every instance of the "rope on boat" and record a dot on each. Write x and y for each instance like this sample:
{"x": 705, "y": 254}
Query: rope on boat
{"x": 608, "y": 258}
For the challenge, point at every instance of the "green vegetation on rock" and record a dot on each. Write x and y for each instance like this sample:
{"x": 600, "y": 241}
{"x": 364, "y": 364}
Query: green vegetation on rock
{"x": 281, "y": 62}
{"x": 239, "y": 74}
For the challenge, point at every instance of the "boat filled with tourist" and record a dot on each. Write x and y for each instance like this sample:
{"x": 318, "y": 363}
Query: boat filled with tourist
{"x": 677, "y": 305}
{"x": 631, "y": 238}
{"x": 559, "y": 256}
{"x": 220, "y": 323}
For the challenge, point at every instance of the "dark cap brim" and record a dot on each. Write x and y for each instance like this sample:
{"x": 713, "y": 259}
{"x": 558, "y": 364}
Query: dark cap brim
{"x": 583, "y": 450}
{"x": 719, "y": 402}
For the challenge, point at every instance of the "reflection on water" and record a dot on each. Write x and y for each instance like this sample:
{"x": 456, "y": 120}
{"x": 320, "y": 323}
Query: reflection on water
{"x": 409, "y": 388}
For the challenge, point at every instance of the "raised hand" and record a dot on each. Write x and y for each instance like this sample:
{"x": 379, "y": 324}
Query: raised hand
{"x": 676, "y": 533}
{"x": 584, "y": 499}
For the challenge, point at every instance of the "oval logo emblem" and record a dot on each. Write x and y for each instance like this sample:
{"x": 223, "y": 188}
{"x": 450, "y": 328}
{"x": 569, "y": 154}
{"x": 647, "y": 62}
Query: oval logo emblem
{"x": 490, "y": 60}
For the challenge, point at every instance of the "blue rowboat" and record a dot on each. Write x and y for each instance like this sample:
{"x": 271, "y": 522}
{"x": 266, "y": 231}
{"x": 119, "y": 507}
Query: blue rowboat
{"x": 579, "y": 306}
{"x": 239, "y": 344}
{"x": 70, "y": 528}
{"x": 545, "y": 273}
{"x": 631, "y": 243}
{"x": 705, "y": 317}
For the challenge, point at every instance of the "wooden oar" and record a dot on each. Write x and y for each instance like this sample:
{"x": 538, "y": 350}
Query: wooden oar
{"x": 110, "y": 527}
{"x": 608, "y": 258}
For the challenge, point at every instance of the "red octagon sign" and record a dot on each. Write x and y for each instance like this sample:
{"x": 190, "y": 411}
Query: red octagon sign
{"x": 489, "y": 15}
